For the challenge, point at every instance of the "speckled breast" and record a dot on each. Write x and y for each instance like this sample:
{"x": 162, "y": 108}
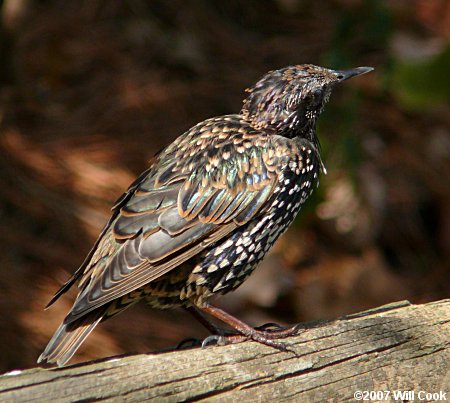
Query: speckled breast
{"x": 226, "y": 265}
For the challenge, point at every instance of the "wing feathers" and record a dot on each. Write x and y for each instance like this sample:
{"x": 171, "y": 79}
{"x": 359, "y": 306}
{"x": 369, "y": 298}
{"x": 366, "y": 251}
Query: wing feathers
{"x": 201, "y": 188}
{"x": 138, "y": 277}
{"x": 150, "y": 202}
{"x": 161, "y": 244}
{"x": 171, "y": 221}
{"x": 252, "y": 205}
{"x": 128, "y": 226}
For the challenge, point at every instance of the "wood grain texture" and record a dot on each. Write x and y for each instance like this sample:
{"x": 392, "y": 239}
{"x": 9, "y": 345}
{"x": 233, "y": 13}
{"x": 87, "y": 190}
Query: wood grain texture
{"x": 395, "y": 347}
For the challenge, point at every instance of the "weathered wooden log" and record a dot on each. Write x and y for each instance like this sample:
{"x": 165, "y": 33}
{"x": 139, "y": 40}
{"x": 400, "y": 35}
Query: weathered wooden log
{"x": 398, "y": 347}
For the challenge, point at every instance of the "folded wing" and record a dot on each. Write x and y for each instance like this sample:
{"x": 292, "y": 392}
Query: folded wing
{"x": 200, "y": 189}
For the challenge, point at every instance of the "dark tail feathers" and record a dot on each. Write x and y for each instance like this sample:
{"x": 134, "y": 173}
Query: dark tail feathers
{"x": 68, "y": 337}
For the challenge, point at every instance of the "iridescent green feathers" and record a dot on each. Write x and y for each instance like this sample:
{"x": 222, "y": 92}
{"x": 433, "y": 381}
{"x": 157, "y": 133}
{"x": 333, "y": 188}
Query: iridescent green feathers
{"x": 215, "y": 173}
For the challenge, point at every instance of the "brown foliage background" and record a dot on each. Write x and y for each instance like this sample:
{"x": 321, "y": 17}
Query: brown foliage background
{"x": 90, "y": 90}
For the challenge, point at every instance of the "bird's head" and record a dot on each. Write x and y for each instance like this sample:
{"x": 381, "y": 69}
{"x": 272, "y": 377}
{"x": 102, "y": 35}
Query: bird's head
{"x": 288, "y": 101}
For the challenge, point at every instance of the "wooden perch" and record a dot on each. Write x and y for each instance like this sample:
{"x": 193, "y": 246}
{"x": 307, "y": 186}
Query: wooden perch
{"x": 398, "y": 347}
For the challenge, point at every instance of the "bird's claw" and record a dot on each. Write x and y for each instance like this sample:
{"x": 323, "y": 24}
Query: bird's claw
{"x": 268, "y": 326}
{"x": 275, "y": 331}
{"x": 215, "y": 339}
{"x": 257, "y": 336}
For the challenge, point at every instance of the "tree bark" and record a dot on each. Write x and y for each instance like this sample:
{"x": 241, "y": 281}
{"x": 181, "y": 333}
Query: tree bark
{"x": 398, "y": 347}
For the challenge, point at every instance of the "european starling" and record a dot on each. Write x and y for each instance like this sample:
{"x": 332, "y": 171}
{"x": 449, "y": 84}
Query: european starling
{"x": 201, "y": 218}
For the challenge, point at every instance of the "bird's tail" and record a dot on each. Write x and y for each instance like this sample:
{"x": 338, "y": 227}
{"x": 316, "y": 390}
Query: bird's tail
{"x": 68, "y": 337}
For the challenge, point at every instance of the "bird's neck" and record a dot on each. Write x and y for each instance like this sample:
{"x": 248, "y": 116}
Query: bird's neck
{"x": 300, "y": 127}
{"x": 294, "y": 126}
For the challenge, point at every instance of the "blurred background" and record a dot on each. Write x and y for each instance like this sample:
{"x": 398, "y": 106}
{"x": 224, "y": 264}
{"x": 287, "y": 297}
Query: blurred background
{"x": 90, "y": 90}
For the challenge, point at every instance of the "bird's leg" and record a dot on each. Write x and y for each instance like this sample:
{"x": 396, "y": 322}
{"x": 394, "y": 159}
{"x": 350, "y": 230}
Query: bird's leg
{"x": 192, "y": 341}
{"x": 204, "y": 321}
{"x": 213, "y": 329}
{"x": 248, "y": 332}
{"x": 218, "y": 334}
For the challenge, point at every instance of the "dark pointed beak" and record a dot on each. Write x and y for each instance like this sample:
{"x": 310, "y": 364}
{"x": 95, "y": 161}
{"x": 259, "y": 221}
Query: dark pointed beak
{"x": 357, "y": 71}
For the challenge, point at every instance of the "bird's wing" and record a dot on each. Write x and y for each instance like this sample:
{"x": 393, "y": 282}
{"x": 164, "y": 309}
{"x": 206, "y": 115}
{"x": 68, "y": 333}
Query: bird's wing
{"x": 203, "y": 186}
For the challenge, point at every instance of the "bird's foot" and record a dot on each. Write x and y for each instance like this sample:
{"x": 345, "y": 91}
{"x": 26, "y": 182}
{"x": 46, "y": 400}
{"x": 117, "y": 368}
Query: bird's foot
{"x": 245, "y": 332}
{"x": 260, "y": 334}
{"x": 215, "y": 339}
{"x": 275, "y": 331}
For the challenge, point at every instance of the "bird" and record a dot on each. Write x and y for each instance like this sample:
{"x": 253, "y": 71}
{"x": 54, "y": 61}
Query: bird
{"x": 198, "y": 221}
